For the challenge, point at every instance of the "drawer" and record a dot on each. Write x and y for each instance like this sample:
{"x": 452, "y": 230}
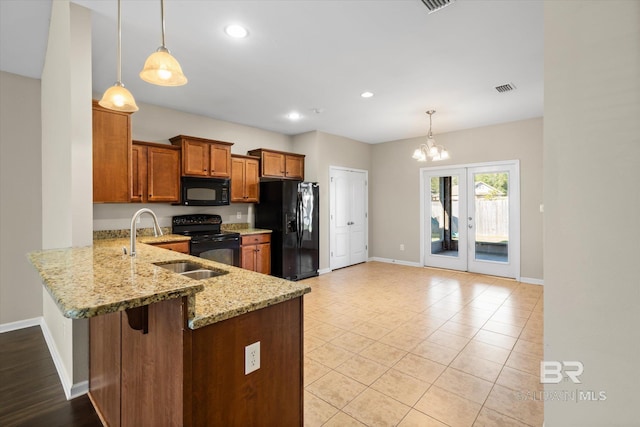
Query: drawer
{"x": 182, "y": 247}
{"x": 253, "y": 239}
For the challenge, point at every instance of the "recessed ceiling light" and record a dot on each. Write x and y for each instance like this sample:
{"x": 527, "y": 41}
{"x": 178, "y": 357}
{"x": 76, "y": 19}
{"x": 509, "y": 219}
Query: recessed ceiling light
{"x": 236, "y": 31}
{"x": 366, "y": 94}
{"x": 294, "y": 115}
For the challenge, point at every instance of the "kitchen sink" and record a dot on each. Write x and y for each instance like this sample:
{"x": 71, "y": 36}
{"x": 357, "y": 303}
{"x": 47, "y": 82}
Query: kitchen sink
{"x": 203, "y": 274}
{"x": 180, "y": 266}
{"x": 191, "y": 270}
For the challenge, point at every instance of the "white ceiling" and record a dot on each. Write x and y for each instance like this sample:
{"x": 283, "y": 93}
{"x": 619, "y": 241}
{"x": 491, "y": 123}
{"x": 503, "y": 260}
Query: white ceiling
{"x": 304, "y": 54}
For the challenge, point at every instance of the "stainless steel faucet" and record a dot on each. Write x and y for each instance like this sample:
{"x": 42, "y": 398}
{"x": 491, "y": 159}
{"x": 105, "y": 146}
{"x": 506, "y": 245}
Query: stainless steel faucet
{"x": 156, "y": 228}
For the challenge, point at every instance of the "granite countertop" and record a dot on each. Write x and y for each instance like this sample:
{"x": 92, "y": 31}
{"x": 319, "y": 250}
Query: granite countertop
{"x": 165, "y": 238}
{"x": 99, "y": 279}
{"x": 249, "y": 231}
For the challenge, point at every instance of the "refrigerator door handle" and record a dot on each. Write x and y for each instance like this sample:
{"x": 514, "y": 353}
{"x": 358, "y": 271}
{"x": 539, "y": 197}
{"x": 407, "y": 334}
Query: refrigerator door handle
{"x": 299, "y": 228}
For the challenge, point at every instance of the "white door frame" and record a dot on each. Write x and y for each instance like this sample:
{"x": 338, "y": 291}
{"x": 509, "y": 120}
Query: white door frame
{"x": 458, "y": 262}
{"x": 514, "y": 224}
{"x": 332, "y": 209}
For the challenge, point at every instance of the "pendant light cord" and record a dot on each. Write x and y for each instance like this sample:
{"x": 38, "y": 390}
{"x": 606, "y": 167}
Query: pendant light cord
{"x": 119, "y": 48}
{"x": 162, "y": 16}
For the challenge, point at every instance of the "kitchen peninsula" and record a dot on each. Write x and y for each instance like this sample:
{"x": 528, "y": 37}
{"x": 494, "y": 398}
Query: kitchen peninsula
{"x": 166, "y": 349}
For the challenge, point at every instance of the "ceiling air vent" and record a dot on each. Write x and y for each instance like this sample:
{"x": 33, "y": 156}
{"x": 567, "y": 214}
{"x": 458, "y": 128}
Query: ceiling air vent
{"x": 435, "y": 5}
{"x": 506, "y": 88}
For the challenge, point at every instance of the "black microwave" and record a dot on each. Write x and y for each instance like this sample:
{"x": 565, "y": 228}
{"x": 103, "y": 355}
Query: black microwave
{"x": 204, "y": 191}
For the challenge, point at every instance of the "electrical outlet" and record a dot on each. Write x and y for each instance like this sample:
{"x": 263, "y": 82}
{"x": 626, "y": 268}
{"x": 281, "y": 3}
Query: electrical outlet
{"x": 239, "y": 215}
{"x": 402, "y": 246}
{"x": 252, "y": 358}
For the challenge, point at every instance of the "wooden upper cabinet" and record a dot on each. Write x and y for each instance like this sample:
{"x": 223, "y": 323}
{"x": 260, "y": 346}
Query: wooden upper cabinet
{"x": 294, "y": 166}
{"x": 245, "y": 180}
{"x": 138, "y": 172}
{"x": 280, "y": 164}
{"x": 273, "y": 164}
{"x": 156, "y": 172}
{"x": 220, "y": 162}
{"x": 111, "y": 155}
{"x": 195, "y": 158}
{"x": 204, "y": 157}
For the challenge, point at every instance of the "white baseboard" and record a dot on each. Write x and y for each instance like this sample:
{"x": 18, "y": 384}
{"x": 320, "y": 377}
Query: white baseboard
{"x": 532, "y": 281}
{"x": 20, "y": 324}
{"x": 324, "y": 271}
{"x": 71, "y": 390}
{"x": 396, "y": 261}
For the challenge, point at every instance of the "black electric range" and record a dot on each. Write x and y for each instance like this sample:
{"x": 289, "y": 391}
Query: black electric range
{"x": 207, "y": 239}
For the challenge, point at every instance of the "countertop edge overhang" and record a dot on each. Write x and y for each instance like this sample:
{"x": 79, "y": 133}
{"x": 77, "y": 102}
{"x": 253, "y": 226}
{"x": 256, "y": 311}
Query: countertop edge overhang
{"x": 99, "y": 279}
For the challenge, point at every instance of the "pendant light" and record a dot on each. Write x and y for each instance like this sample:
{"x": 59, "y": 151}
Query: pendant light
{"x": 117, "y": 97}
{"x": 430, "y": 150}
{"x": 161, "y": 68}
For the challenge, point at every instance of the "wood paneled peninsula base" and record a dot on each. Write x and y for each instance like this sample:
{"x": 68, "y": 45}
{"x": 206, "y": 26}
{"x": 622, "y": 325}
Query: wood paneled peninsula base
{"x": 168, "y": 350}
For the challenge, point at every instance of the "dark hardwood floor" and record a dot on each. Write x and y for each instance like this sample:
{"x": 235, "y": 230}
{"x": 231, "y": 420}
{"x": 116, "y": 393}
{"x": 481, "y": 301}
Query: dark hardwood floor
{"x": 30, "y": 389}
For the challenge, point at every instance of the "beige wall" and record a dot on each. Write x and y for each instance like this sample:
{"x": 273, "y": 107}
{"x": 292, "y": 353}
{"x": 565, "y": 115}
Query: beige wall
{"x": 395, "y": 196}
{"x": 20, "y": 197}
{"x": 66, "y": 166}
{"x": 327, "y": 150}
{"x": 592, "y": 200}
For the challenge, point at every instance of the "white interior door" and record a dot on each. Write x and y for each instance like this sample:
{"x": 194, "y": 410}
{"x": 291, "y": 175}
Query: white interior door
{"x": 358, "y": 227}
{"x": 472, "y": 218}
{"x": 348, "y": 217}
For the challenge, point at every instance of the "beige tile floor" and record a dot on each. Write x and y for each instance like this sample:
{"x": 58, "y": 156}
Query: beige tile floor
{"x": 390, "y": 345}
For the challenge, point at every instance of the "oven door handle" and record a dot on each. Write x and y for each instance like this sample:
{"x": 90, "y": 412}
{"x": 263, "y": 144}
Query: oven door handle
{"x": 215, "y": 240}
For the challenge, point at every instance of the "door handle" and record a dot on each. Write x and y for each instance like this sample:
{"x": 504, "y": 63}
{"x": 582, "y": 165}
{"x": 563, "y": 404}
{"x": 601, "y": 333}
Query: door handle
{"x": 470, "y": 226}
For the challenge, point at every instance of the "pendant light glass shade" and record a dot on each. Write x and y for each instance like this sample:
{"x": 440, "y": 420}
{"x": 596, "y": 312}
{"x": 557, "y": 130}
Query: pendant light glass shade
{"x": 117, "y": 97}
{"x": 430, "y": 150}
{"x": 161, "y": 68}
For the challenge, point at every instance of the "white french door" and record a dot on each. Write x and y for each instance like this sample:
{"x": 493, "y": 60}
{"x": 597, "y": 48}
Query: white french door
{"x": 472, "y": 218}
{"x": 445, "y": 202}
{"x": 348, "y": 217}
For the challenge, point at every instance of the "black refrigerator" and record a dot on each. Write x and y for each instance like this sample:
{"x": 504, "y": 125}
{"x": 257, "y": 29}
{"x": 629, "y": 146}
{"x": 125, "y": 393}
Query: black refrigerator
{"x": 290, "y": 209}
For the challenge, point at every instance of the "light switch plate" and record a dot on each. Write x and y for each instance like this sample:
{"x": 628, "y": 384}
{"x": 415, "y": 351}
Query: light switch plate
{"x": 252, "y": 358}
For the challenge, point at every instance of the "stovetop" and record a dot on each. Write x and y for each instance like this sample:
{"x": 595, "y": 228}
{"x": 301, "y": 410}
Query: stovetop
{"x": 201, "y": 226}
{"x": 208, "y": 233}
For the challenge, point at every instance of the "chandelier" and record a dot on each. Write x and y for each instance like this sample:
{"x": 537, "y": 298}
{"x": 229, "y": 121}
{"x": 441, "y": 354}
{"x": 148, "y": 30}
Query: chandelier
{"x": 430, "y": 150}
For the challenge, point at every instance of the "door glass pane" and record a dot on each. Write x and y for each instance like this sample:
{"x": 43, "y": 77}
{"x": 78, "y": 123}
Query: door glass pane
{"x": 444, "y": 215}
{"x": 491, "y": 222}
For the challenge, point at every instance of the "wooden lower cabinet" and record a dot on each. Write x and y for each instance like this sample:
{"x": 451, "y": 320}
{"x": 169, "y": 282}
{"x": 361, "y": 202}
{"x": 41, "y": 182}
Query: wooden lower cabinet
{"x": 138, "y": 360}
{"x": 182, "y": 247}
{"x": 147, "y": 368}
{"x": 271, "y": 396}
{"x": 256, "y": 253}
